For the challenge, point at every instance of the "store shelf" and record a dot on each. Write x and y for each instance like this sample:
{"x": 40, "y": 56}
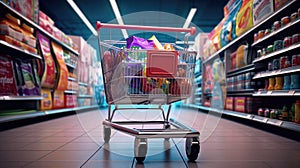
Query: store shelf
{"x": 85, "y": 96}
{"x": 72, "y": 79}
{"x": 16, "y": 51}
{"x": 241, "y": 92}
{"x": 6, "y": 8}
{"x": 83, "y": 84}
{"x": 43, "y": 113}
{"x": 278, "y": 93}
{"x": 277, "y": 72}
{"x": 277, "y": 32}
{"x": 247, "y": 68}
{"x": 283, "y": 124}
{"x": 279, "y": 52}
{"x": 22, "y": 98}
{"x": 238, "y": 40}
{"x": 71, "y": 66}
{"x": 70, "y": 92}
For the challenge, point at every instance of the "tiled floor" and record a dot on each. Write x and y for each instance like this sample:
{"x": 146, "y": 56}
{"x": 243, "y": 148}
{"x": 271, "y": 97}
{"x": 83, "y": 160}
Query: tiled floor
{"x": 77, "y": 141}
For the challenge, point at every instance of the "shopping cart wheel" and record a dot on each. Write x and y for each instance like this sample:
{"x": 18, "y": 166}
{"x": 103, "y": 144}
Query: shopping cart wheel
{"x": 192, "y": 148}
{"x": 107, "y": 133}
{"x": 140, "y": 149}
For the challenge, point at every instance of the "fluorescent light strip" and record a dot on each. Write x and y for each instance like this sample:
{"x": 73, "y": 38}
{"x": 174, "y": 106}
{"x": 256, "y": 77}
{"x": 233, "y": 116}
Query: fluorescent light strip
{"x": 83, "y": 18}
{"x": 118, "y": 16}
{"x": 189, "y": 18}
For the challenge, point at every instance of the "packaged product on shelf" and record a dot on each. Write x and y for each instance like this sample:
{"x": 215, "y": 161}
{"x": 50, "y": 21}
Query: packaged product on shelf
{"x": 295, "y": 81}
{"x": 228, "y": 29}
{"x": 244, "y": 19}
{"x": 49, "y": 74}
{"x": 58, "y": 99}
{"x": 62, "y": 80}
{"x": 229, "y": 103}
{"x": 7, "y": 79}
{"x": 233, "y": 60}
{"x": 239, "y": 104}
{"x": 46, "y": 102}
{"x": 215, "y": 37}
{"x": 6, "y": 29}
{"x": 261, "y": 10}
{"x": 241, "y": 56}
{"x": 28, "y": 37}
{"x": 29, "y": 48}
{"x": 28, "y": 8}
{"x": 287, "y": 82}
{"x": 57, "y": 33}
{"x": 46, "y": 22}
{"x": 279, "y": 83}
{"x": 70, "y": 101}
{"x": 271, "y": 84}
{"x": 280, "y": 3}
{"x": 29, "y": 86}
{"x": 11, "y": 40}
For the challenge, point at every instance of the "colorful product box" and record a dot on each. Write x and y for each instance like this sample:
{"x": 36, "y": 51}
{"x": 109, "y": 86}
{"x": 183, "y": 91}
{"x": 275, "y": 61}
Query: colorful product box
{"x": 239, "y": 104}
{"x": 229, "y": 103}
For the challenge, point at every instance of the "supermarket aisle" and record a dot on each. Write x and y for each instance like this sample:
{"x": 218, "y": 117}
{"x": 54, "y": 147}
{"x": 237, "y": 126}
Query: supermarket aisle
{"x": 76, "y": 141}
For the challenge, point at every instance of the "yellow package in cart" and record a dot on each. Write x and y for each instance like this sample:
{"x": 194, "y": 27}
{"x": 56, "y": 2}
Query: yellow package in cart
{"x": 244, "y": 18}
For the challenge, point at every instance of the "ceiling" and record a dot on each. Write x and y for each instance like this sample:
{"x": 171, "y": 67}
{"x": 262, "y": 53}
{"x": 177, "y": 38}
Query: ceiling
{"x": 167, "y": 13}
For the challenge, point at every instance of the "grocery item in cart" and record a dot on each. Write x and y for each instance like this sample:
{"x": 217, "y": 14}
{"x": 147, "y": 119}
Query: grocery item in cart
{"x": 157, "y": 44}
{"x": 139, "y": 42}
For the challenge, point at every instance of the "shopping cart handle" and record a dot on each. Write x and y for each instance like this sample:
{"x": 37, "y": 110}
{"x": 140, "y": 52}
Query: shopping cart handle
{"x": 191, "y": 30}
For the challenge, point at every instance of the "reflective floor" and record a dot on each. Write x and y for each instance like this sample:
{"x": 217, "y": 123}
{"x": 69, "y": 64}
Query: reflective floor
{"x": 77, "y": 141}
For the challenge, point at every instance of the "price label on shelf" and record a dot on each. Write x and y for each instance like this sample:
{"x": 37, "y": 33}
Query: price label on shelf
{"x": 275, "y": 122}
{"x": 269, "y": 92}
{"x": 291, "y": 92}
{"x": 265, "y": 120}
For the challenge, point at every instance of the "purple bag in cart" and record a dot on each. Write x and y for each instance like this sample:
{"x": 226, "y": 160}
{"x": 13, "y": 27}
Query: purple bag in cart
{"x": 133, "y": 71}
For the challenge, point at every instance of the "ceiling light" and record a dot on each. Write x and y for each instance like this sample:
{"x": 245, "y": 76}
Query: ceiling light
{"x": 190, "y": 17}
{"x": 115, "y": 8}
{"x": 82, "y": 16}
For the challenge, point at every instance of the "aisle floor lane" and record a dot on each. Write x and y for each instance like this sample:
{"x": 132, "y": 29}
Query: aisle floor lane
{"x": 77, "y": 141}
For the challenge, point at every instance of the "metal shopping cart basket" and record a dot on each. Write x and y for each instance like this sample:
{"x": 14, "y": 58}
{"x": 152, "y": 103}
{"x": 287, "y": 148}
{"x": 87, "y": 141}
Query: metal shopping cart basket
{"x": 150, "y": 77}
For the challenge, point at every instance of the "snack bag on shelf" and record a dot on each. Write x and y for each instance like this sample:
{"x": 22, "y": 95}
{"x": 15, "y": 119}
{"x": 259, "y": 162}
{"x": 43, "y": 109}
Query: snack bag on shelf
{"x": 244, "y": 19}
{"x": 46, "y": 102}
{"x": 280, "y": 3}
{"x": 228, "y": 29}
{"x": 7, "y": 79}
{"x": 58, "y": 99}
{"x": 28, "y": 8}
{"x": 28, "y": 37}
{"x": 241, "y": 56}
{"x": 215, "y": 36}
{"x": 29, "y": 86}
{"x": 62, "y": 80}
{"x": 261, "y": 10}
{"x": 49, "y": 74}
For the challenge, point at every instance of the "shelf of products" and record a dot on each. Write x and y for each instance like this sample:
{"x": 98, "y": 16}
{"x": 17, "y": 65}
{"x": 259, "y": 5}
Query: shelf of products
{"x": 70, "y": 92}
{"x": 71, "y": 66}
{"x": 276, "y": 122}
{"x": 85, "y": 96}
{"x": 278, "y": 93}
{"x": 34, "y": 114}
{"x": 277, "y": 53}
{"x": 5, "y": 8}
{"x": 247, "y": 68}
{"x": 83, "y": 84}
{"x": 250, "y": 32}
{"x": 248, "y": 60}
{"x": 72, "y": 79}
{"x": 289, "y": 70}
{"x": 271, "y": 36}
{"x": 17, "y": 52}
{"x": 21, "y": 97}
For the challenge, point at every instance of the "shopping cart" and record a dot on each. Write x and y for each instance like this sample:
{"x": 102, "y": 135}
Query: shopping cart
{"x": 149, "y": 79}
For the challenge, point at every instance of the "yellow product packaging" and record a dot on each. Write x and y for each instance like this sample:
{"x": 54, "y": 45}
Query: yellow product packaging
{"x": 46, "y": 102}
{"x": 62, "y": 83}
{"x": 244, "y": 19}
{"x": 241, "y": 56}
{"x": 157, "y": 44}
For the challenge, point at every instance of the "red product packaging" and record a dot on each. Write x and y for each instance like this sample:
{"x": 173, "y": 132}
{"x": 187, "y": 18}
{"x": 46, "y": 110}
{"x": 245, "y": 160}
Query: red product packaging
{"x": 240, "y": 104}
{"x": 58, "y": 99}
{"x": 7, "y": 80}
{"x": 49, "y": 74}
{"x": 229, "y": 103}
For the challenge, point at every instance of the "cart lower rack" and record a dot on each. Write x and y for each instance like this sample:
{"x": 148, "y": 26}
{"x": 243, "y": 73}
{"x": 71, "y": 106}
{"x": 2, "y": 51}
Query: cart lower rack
{"x": 149, "y": 77}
